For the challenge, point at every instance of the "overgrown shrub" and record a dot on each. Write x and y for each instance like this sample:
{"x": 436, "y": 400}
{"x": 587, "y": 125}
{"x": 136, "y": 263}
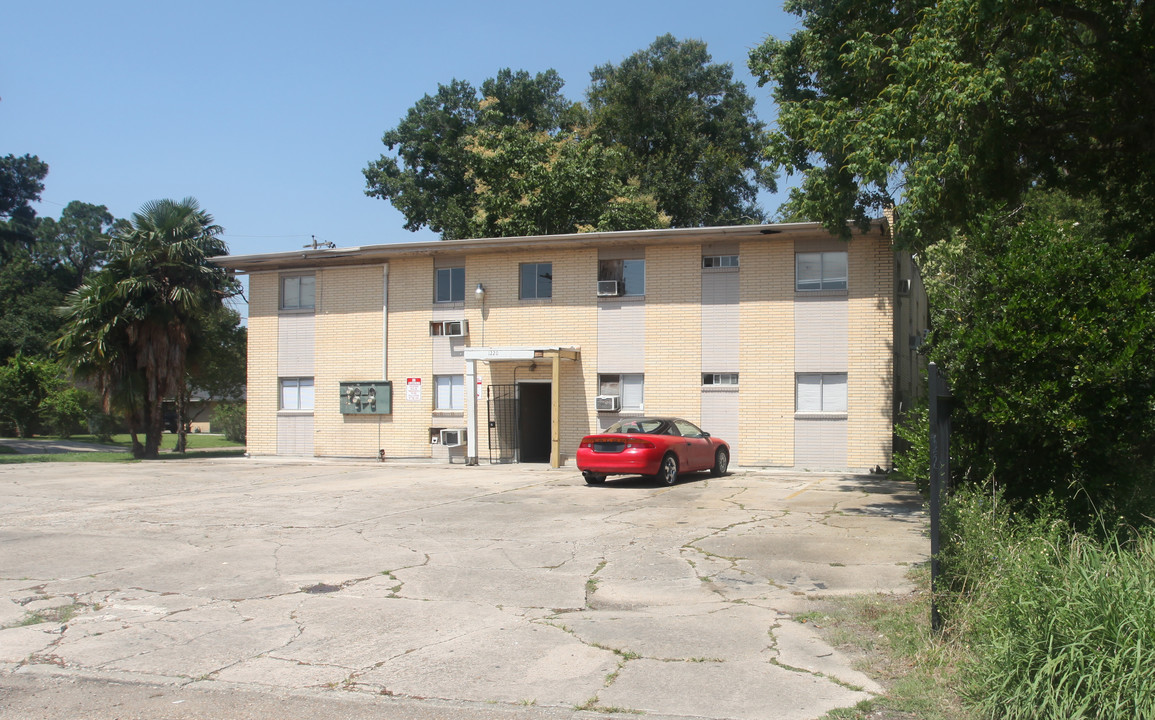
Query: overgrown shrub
{"x": 912, "y": 456}
{"x": 65, "y": 409}
{"x": 1061, "y": 624}
{"x": 1047, "y": 333}
{"x": 103, "y": 426}
{"x": 230, "y": 419}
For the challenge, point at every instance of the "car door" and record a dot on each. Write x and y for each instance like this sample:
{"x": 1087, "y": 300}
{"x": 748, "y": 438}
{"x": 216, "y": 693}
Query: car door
{"x": 699, "y": 451}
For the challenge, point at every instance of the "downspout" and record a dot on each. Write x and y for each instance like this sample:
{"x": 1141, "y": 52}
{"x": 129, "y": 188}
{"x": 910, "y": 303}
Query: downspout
{"x": 470, "y": 412}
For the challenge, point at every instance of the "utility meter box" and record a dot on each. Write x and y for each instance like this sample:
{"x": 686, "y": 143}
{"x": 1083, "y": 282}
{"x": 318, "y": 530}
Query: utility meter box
{"x": 367, "y": 398}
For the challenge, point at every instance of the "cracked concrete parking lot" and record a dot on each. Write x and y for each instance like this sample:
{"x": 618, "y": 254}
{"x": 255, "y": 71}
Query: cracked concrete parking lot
{"x": 260, "y": 588}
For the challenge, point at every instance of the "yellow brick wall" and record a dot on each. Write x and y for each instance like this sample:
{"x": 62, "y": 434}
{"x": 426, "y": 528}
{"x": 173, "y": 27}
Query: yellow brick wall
{"x": 673, "y": 331}
{"x": 410, "y": 356}
{"x": 870, "y": 377}
{"x": 262, "y": 396}
{"x": 568, "y": 319}
{"x": 348, "y": 348}
{"x": 766, "y": 355}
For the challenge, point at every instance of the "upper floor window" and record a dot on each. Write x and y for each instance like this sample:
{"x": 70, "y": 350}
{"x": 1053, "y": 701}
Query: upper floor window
{"x": 536, "y": 281}
{"x": 719, "y": 261}
{"x": 630, "y": 275}
{"x": 449, "y": 285}
{"x": 820, "y": 271}
{"x": 296, "y": 393}
{"x": 298, "y": 292}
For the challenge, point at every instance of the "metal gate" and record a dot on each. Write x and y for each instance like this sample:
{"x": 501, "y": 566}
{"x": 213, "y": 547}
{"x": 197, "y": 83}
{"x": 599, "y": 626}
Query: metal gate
{"x": 503, "y": 434}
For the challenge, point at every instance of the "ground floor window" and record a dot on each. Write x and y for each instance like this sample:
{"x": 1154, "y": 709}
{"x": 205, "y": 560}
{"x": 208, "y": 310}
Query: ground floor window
{"x": 820, "y": 392}
{"x": 296, "y": 393}
{"x": 628, "y": 387}
{"x": 450, "y": 392}
{"x": 719, "y": 378}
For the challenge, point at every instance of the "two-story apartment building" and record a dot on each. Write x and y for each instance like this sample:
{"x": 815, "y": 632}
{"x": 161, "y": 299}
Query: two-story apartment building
{"x": 781, "y": 339}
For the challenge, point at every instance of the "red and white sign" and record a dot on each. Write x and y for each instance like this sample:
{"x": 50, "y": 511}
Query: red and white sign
{"x": 413, "y": 389}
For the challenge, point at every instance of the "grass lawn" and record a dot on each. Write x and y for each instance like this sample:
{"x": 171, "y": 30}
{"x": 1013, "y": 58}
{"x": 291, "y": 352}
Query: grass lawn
{"x": 196, "y": 441}
{"x": 889, "y": 637}
{"x": 202, "y": 445}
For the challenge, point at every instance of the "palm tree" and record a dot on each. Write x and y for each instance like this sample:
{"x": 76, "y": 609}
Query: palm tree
{"x": 137, "y": 318}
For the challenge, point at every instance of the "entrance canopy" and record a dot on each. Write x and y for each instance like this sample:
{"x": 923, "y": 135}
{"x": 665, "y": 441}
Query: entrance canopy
{"x": 554, "y": 354}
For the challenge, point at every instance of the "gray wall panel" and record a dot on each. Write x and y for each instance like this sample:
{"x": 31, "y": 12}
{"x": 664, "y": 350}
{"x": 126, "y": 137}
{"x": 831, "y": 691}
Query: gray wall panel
{"x": 621, "y": 336}
{"x": 296, "y": 339}
{"x": 821, "y": 334}
{"x": 820, "y": 444}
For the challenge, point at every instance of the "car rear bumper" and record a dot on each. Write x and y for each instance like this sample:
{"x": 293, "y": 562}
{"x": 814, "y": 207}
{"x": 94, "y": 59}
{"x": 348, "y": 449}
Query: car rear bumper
{"x": 623, "y": 463}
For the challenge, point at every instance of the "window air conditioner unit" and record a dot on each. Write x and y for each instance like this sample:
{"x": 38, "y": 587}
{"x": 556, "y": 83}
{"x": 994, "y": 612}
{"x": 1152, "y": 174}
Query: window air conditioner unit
{"x": 607, "y": 288}
{"x": 608, "y": 403}
{"x": 453, "y": 437}
{"x": 457, "y": 328}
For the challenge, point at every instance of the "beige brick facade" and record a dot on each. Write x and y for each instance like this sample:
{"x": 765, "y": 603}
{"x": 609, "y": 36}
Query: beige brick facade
{"x": 372, "y": 317}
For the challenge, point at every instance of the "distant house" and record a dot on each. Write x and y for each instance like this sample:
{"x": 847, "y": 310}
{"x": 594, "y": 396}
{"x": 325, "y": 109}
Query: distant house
{"x": 795, "y": 346}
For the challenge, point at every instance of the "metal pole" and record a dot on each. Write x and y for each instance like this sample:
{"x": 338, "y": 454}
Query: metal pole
{"x": 940, "y": 398}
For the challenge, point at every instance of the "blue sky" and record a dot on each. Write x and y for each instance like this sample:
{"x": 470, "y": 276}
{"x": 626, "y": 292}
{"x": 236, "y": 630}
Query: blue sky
{"x": 267, "y": 112}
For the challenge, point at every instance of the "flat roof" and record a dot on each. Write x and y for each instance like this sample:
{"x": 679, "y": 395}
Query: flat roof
{"x": 368, "y": 254}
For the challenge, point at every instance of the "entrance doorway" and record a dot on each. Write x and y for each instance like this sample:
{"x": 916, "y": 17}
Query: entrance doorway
{"x": 519, "y": 422}
{"x": 534, "y": 421}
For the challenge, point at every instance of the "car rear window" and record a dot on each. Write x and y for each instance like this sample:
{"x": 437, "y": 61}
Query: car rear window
{"x": 645, "y": 426}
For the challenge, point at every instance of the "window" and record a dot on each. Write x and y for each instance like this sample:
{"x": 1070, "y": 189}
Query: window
{"x": 820, "y": 271}
{"x": 720, "y": 261}
{"x": 626, "y": 387}
{"x": 719, "y": 378}
{"x": 296, "y": 393}
{"x": 449, "y": 285}
{"x": 536, "y": 281}
{"x": 298, "y": 292}
{"x": 450, "y": 328}
{"x": 821, "y": 392}
{"x": 450, "y": 392}
{"x": 629, "y": 274}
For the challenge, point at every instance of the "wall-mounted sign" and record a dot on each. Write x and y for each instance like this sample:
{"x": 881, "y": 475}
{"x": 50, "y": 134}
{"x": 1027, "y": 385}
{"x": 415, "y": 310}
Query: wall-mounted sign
{"x": 413, "y": 389}
{"x": 367, "y": 398}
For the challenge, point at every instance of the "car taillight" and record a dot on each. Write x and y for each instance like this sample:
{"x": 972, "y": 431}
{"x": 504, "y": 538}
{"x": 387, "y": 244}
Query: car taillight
{"x": 640, "y": 444}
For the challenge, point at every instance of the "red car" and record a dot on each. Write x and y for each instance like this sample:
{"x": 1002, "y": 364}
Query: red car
{"x": 660, "y": 447}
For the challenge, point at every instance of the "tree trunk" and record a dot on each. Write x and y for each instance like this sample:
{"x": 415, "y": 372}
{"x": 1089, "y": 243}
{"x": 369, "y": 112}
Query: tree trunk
{"x": 181, "y": 421}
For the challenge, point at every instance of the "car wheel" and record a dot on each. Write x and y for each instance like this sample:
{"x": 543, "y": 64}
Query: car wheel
{"x": 721, "y": 462}
{"x": 593, "y": 478}
{"x": 669, "y": 472}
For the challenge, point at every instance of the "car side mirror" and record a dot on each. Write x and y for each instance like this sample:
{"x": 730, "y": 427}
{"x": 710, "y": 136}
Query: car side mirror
{"x": 705, "y": 435}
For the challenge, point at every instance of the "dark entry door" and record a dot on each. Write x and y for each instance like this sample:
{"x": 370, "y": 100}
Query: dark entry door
{"x": 534, "y": 421}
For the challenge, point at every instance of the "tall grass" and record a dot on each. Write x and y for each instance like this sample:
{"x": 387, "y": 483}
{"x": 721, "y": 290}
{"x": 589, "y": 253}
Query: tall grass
{"x": 1061, "y": 624}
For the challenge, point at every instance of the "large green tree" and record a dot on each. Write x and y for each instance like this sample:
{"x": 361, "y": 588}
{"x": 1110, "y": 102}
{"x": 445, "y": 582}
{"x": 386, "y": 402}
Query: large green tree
{"x": 77, "y": 243}
{"x": 952, "y": 108}
{"x": 21, "y": 182}
{"x": 533, "y": 183}
{"x": 668, "y": 137}
{"x": 38, "y": 271}
{"x": 134, "y": 321}
{"x": 428, "y": 180}
{"x": 687, "y": 129}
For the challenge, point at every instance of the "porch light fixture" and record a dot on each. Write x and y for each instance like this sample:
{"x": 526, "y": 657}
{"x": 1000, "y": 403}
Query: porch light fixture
{"x": 480, "y": 291}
